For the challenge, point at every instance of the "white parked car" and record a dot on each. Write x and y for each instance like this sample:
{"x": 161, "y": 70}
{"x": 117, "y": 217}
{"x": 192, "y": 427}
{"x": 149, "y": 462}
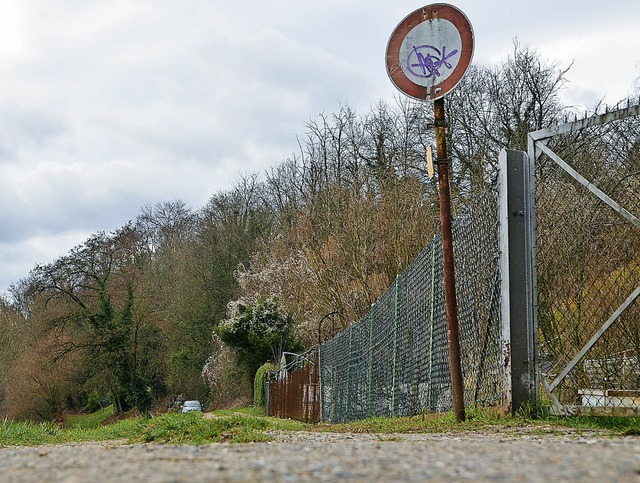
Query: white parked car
{"x": 189, "y": 406}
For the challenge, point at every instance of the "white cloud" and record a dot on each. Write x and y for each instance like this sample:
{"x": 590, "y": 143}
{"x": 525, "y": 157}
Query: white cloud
{"x": 598, "y": 58}
{"x": 107, "y": 106}
{"x": 13, "y": 40}
{"x": 37, "y": 250}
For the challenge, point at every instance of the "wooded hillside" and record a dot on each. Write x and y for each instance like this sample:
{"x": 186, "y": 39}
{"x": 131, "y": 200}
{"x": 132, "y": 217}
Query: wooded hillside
{"x": 130, "y": 317}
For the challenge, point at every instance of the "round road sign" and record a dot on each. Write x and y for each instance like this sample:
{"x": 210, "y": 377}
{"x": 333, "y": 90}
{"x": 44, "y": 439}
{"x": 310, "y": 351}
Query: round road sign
{"x": 429, "y": 51}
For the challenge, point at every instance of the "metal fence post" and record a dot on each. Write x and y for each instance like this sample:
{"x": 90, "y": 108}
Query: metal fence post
{"x": 372, "y": 320}
{"x": 432, "y": 386}
{"x": 518, "y": 278}
{"x": 266, "y": 397}
{"x": 350, "y": 395}
{"x": 395, "y": 351}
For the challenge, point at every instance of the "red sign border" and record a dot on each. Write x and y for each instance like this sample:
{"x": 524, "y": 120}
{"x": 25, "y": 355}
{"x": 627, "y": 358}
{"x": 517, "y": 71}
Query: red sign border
{"x": 428, "y": 12}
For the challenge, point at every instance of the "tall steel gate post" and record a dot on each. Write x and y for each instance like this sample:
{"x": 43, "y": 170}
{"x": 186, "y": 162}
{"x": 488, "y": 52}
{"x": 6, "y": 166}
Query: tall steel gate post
{"x": 518, "y": 278}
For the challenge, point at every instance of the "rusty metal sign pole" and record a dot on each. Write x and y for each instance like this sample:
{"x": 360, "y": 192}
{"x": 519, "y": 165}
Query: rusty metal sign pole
{"x": 427, "y": 55}
{"x": 447, "y": 257}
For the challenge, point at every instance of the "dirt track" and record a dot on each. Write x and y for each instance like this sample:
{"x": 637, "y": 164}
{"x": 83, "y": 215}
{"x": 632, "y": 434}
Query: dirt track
{"x": 329, "y": 456}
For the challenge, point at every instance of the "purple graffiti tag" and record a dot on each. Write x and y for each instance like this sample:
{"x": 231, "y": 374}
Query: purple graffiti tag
{"x": 429, "y": 65}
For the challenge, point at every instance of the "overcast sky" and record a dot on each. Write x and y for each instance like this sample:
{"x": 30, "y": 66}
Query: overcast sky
{"x": 106, "y": 106}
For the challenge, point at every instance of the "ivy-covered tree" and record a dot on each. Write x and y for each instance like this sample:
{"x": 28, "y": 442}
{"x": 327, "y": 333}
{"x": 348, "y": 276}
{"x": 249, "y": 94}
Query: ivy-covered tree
{"x": 88, "y": 300}
{"x": 259, "y": 333}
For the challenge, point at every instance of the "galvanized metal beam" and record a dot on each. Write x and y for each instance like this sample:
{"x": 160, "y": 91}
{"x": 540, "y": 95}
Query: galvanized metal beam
{"x": 595, "y": 338}
{"x": 589, "y": 185}
{"x": 518, "y": 284}
{"x": 579, "y": 124}
{"x": 559, "y": 408}
{"x": 537, "y": 146}
{"x": 505, "y": 282}
{"x": 620, "y": 412}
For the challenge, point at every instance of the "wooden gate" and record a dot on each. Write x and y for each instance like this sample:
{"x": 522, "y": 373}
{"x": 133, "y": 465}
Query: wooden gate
{"x": 296, "y": 394}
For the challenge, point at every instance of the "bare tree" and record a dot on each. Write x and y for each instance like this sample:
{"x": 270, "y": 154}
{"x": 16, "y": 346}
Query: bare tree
{"x": 496, "y": 107}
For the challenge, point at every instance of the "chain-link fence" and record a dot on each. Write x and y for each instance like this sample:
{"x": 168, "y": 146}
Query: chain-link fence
{"x": 395, "y": 360}
{"x": 588, "y": 253}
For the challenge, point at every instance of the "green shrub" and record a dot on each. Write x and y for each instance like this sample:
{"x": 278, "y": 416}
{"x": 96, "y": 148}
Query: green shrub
{"x": 27, "y": 433}
{"x": 258, "y": 332}
{"x": 87, "y": 421}
{"x": 258, "y": 383}
{"x": 93, "y": 403}
{"x": 194, "y": 428}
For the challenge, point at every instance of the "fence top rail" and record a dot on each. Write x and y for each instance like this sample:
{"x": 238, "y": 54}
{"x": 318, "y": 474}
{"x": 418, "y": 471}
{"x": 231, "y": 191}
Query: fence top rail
{"x": 579, "y": 124}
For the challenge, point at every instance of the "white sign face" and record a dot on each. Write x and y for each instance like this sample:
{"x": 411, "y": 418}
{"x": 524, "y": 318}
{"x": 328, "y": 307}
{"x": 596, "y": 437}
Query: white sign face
{"x": 430, "y": 52}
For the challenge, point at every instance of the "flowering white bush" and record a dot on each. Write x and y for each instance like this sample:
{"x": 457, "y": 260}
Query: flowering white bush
{"x": 258, "y": 332}
{"x": 222, "y": 375}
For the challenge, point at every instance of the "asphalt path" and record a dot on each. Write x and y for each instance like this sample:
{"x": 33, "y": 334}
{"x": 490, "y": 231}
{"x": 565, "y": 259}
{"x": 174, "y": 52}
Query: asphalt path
{"x": 330, "y": 456}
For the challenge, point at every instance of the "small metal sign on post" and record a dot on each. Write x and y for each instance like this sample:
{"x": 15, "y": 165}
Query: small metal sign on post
{"x": 427, "y": 55}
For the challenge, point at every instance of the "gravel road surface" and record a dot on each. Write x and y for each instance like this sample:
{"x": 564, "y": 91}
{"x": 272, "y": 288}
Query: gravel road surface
{"x": 329, "y": 456}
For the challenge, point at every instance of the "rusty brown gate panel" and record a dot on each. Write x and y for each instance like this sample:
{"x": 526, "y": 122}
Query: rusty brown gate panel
{"x": 297, "y": 394}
